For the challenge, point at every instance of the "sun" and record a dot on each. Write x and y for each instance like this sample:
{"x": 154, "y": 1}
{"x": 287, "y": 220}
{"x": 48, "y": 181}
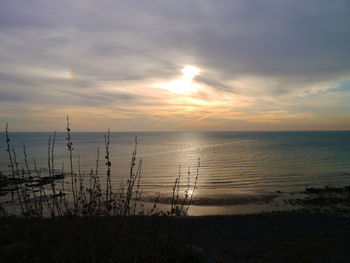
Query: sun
{"x": 190, "y": 72}
{"x": 183, "y": 85}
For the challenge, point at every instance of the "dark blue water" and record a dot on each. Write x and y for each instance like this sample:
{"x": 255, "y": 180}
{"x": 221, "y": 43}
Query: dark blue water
{"x": 231, "y": 162}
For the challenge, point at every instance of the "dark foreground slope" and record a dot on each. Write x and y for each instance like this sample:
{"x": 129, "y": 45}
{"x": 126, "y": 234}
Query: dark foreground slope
{"x": 271, "y": 237}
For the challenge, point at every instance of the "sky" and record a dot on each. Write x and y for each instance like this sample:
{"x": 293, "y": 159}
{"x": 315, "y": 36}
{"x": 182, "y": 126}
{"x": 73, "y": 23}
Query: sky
{"x": 184, "y": 65}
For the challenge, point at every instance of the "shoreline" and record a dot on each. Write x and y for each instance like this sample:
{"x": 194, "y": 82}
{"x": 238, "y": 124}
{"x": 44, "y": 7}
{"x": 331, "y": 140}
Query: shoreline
{"x": 328, "y": 199}
{"x": 318, "y": 231}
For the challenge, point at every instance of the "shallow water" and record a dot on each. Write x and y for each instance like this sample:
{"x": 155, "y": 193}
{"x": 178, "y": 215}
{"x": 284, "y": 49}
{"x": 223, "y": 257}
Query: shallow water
{"x": 231, "y": 163}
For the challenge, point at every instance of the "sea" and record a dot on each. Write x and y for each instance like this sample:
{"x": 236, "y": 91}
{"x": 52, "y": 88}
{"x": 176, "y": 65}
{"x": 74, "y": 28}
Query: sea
{"x": 236, "y": 167}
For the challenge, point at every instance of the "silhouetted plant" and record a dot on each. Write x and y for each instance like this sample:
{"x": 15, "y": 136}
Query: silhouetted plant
{"x": 179, "y": 206}
{"x": 86, "y": 199}
{"x": 73, "y": 179}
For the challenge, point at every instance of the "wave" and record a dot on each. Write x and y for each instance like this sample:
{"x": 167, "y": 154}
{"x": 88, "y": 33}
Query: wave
{"x": 218, "y": 200}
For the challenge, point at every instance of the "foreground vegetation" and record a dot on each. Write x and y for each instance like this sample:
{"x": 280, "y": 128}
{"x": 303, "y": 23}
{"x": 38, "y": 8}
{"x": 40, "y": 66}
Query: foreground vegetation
{"x": 39, "y": 195}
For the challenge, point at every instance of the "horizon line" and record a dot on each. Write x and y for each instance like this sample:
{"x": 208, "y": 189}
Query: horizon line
{"x": 149, "y": 131}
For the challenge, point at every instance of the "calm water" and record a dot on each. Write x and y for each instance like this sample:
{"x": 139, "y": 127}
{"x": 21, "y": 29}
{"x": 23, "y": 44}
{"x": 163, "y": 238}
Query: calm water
{"x": 231, "y": 162}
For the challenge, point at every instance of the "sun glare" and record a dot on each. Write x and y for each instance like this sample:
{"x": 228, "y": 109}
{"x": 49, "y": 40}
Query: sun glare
{"x": 190, "y": 72}
{"x": 184, "y": 84}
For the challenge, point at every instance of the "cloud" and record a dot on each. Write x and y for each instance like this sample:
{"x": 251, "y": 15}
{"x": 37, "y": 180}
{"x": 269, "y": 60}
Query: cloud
{"x": 262, "y": 53}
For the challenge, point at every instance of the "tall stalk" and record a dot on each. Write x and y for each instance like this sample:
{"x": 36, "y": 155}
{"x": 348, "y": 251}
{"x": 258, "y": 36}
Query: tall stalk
{"x": 194, "y": 187}
{"x": 8, "y": 149}
{"x": 42, "y": 191}
{"x": 131, "y": 181}
{"x": 70, "y": 149}
{"x": 30, "y": 177}
{"x": 108, "y": 179}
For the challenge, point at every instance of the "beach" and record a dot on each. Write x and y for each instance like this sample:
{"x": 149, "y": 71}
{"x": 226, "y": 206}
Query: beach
{"x": 317, "y": 231}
